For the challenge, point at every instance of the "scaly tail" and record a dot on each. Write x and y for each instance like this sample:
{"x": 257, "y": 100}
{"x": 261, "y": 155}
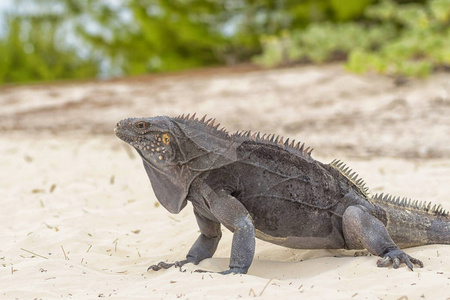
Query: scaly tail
{"x": 383, "y": 224}
{"x": 414, "y": 223}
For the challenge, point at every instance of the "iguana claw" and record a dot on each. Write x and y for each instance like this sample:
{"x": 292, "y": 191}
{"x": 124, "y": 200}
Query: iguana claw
{"x": 164, "y": 265}
{"x": 396, "y": 257}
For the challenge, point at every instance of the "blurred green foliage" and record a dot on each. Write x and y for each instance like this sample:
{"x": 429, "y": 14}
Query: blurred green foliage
{"x": 421, "y": 45}
{"x": 173, "y": 35}
{"x": 33, "y": 50}
{"x": 61, "y": 39}
{"x": 406, "y": 40}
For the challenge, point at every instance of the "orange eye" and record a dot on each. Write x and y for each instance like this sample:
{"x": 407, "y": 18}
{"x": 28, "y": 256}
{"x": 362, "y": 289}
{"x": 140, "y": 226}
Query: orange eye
{"x": 140, "y": 125}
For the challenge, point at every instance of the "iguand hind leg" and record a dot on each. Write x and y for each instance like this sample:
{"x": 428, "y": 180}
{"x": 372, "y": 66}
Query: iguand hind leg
{"x": 362, "y": 230}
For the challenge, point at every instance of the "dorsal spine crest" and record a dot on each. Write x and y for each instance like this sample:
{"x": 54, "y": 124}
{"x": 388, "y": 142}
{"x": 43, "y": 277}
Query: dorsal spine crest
{"x": 351, "y": 176}
{"x": 210, "y": 122}
{"x": 416, "y": 205}
{"x": 275, "y": 140}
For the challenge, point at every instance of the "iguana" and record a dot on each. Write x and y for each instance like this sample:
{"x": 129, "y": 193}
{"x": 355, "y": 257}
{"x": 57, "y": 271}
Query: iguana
{"x": 266, "y": 187}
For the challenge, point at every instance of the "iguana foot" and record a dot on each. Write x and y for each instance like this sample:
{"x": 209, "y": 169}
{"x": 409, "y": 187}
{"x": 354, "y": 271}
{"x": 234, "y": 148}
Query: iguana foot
{"x": 396, "y": 257}
{"x": 163, "y": 265}
{"x": 235, "y": 271}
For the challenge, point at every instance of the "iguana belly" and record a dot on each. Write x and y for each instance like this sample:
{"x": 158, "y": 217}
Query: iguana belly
{"x": 333, "y": 241}
{"x": 293, "y": 225}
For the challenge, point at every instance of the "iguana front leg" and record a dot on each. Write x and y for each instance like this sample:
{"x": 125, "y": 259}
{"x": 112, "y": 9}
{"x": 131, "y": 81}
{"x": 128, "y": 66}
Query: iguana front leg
{"x": 233, "y": 215}
{"x": 206, "y": 244}
{"x": 204, "y": 247}
{"x": 362, "y": 230}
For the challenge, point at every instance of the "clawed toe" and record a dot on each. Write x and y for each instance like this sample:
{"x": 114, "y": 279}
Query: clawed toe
{"x": 384, "y": 262}
{"x": 416, "y": 261}
{"x": 159, "y": 266}
{"x": 164, "y": 265}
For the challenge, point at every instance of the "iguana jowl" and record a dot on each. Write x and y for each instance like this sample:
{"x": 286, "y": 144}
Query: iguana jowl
{"x": 262, "y": 186}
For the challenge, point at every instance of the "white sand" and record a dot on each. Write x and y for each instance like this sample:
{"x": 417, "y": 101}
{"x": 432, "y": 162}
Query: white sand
{"x": 75, "y": 196}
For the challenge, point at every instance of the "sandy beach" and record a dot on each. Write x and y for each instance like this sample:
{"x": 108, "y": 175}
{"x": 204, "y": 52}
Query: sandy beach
{"x": 79, "y": 219}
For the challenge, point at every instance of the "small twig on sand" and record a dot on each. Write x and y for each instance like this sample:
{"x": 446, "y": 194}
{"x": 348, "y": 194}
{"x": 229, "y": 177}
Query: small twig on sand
{"x": 33, "y": 253}
{"x": 265, "y": 287}
{"x": 174, "y": 219}
{"x": 115, "y": 244}
{"x": 65, "y": 256}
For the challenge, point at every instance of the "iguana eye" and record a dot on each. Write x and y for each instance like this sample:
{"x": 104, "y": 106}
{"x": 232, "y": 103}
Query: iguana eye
{"x": 165, "y": 139}
{"x": 140, "y": 125}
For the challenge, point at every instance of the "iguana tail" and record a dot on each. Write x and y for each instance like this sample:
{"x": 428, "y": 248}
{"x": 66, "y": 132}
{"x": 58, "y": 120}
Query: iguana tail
{"x": 414, "y": 223}
{"x": 409, "y": 223}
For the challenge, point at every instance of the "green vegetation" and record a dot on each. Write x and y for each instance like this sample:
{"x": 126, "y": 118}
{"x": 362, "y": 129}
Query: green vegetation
{"x": 63, "y": 39}
{"x": 421, "y": 45}
{"x": 33, "y": 49}
{"x": 408, "y": 40}
{"x": 179, "y": 34}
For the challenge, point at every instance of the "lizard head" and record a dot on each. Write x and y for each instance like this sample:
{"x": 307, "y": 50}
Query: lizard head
{"x": 175, "y": 151}
{"x": 151, "y": 137}
{"x": 156, "y": 142}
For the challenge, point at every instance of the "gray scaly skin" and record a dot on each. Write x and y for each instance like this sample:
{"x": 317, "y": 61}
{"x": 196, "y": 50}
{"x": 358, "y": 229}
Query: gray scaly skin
{"x": 262, "y": 186}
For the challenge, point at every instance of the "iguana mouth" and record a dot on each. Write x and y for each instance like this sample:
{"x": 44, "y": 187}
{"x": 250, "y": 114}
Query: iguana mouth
{"x": 120, "y": 133}
{"x": 136, "y": 142}
{"x": 133, "y": 140}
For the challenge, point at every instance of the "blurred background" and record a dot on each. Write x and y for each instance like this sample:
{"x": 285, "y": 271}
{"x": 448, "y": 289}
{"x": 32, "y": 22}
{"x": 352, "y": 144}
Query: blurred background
{"x": 42, "y": 40}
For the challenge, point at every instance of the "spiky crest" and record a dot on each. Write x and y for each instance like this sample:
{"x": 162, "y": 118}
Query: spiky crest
{"x": 351, "y": 176}
{"x": 276, "y": 140}
{"x": 390, "y": 200}
{"x": 436, "y": 210}
{"x": 272, "y": 139}
{"x": 209, "y": 124}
